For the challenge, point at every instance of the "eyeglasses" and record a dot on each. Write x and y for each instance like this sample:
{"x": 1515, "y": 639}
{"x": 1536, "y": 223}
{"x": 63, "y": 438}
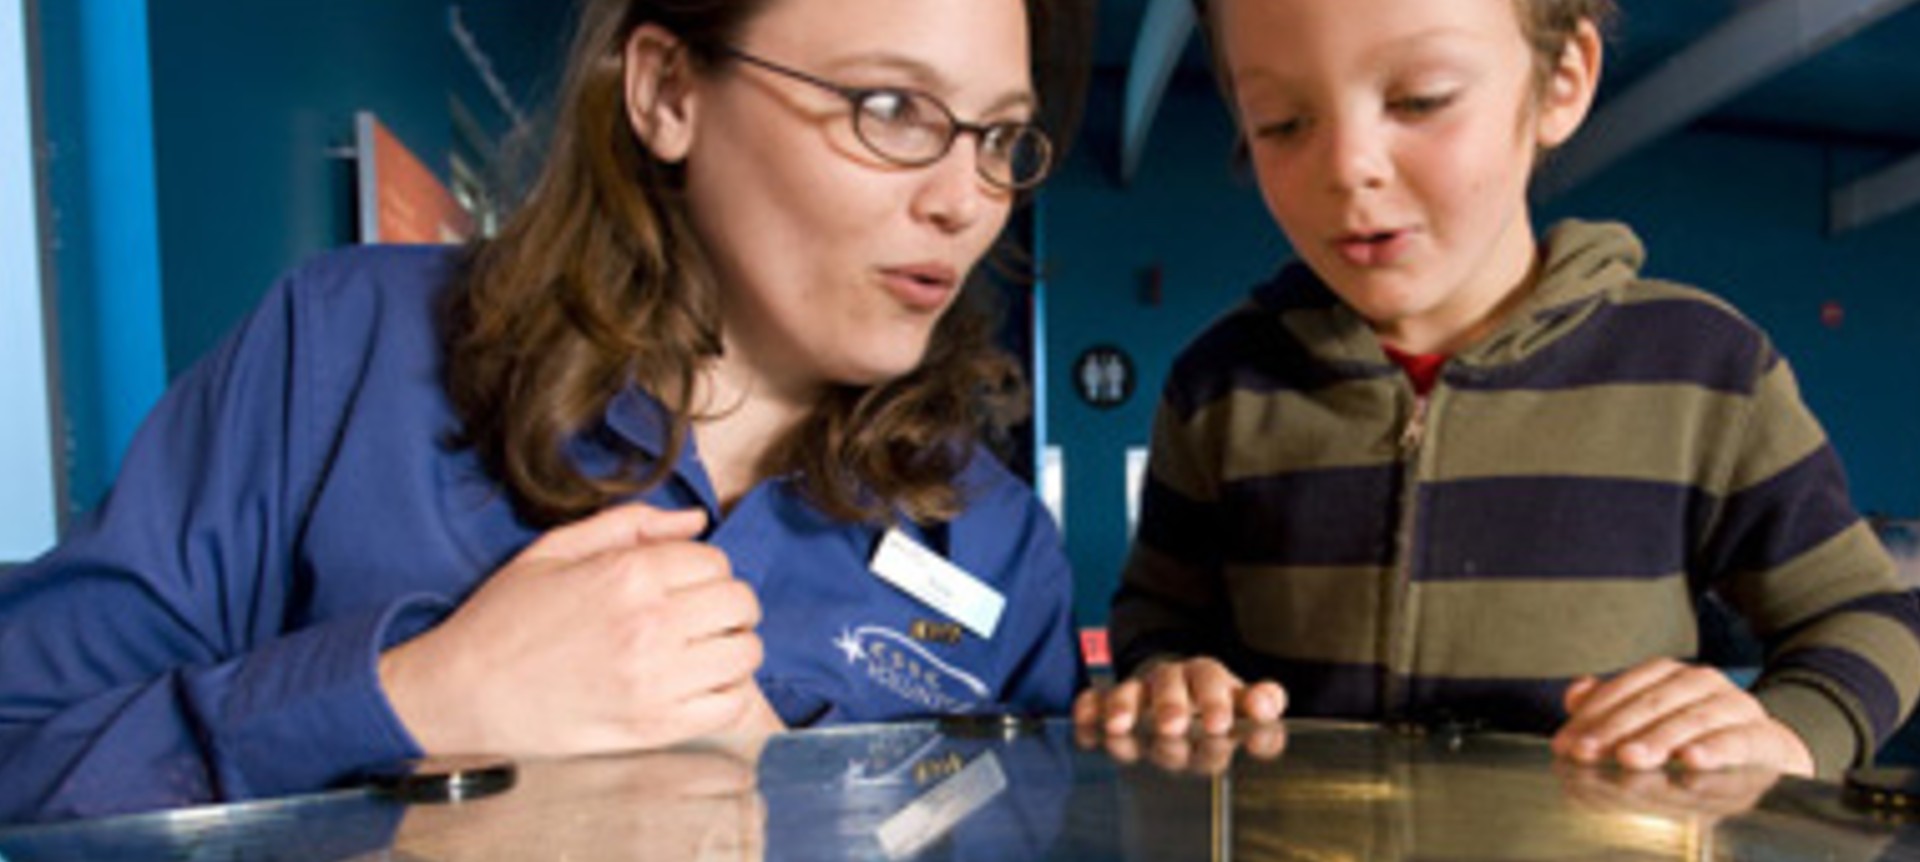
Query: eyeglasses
{"x": 913, "y": 129}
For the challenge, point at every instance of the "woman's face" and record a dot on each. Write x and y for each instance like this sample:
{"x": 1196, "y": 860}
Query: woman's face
{"x": 835, "y": 264}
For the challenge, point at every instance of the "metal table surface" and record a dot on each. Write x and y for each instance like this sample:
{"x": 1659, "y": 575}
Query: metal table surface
{"x": 1304, "y": 791}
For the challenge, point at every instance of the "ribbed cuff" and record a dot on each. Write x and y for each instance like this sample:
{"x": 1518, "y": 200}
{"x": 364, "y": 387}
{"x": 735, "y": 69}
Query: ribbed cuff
{"x": 1822, "y": 722}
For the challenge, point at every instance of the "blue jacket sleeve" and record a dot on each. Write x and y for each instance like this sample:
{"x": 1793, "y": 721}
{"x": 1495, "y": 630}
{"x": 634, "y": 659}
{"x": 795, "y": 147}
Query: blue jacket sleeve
{"x": 147, "y": 660}
{"x": 1007, "y": 532}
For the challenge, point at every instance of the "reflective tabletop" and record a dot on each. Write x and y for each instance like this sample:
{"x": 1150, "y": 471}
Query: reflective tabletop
{"x": 1302, "y": 791}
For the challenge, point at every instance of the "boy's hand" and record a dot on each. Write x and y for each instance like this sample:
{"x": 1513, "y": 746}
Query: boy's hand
{"x": 1665, "y": 710}
{"x": 1166, "y": 696}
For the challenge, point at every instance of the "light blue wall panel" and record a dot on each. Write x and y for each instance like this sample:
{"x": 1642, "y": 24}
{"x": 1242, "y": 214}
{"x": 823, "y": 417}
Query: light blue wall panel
{"x": 28, "y": 507}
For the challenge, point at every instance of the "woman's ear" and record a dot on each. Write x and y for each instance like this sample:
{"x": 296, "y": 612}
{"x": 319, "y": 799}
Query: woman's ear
{"x": 1568, "y": 94}
{"x": 660, "y": 93}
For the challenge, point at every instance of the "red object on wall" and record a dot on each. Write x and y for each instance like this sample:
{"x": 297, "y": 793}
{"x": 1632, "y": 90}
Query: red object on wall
{"x": 1093, "y": 646}
{"x": 1150, "y": 285}
{"x": 1832, "y": 314}
{"x": 401, "y": 201}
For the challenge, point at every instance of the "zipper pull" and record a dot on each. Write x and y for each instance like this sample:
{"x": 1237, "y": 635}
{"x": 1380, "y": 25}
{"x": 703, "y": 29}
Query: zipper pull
{"x": 1416, "y": 426}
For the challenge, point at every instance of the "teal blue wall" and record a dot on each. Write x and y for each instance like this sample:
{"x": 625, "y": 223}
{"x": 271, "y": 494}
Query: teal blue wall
{"x": 1207, "y": 231}
{"x": 254, "y": 102}
{"x": 199, "y": 148}
{"x": 1738, "y": 214}
{"x": 250, "y": 100}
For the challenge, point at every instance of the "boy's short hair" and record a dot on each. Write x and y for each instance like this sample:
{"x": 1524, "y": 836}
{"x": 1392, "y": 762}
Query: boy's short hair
{"x": 1546, "y": 24}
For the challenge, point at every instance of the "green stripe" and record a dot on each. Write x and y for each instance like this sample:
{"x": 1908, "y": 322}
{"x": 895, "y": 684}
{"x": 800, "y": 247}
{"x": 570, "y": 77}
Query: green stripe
{"x": 1882, "y": 641}
{"x": 1614, "y": 431}
{"x": 1178, "y": 457}
{"x": 1354, "y": 424}
{"x": 1168, "y": 579}
{"x": 1818, "y": 717}
{"x": 1783, "y": 434}
{"x": 1845, "y": 567}
{"x": 1310, "y": 613}
{"x": 1534, "y": 629}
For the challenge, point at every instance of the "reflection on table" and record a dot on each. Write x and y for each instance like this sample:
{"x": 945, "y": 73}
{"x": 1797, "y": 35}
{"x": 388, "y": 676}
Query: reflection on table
{"x": 1305, "y": 791}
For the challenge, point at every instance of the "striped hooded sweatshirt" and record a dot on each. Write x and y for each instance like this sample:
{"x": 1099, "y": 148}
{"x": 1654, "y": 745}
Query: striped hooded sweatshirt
{"x": 1558, "y": 505}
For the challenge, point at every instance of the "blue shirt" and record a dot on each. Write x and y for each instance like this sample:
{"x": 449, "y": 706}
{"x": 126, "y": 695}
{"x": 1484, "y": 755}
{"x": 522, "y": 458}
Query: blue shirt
{"x": 292, "y": 507}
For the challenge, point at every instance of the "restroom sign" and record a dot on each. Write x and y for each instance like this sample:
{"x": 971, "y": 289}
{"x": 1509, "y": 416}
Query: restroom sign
{"x": 1103, "y": 375}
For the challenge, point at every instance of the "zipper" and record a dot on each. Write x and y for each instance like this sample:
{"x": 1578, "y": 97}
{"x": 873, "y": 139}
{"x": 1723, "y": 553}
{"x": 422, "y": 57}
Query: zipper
{"x": 1415, "y": 431}
{"x": 1399, "y": 635}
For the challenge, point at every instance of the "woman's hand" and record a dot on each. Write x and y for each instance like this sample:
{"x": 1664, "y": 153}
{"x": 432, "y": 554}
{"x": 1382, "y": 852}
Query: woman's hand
{"x": 1665, "y": 710}
{"x": 616, "y": 632}
{"x": 1171, "y": 693}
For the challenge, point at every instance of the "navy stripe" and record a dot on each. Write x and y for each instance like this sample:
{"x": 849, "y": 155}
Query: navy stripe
{"x": 1782, "y": 517}
{"x": 1251, "y": 350}
{"x": 1339, "y": 517}
{"x": 1319, "y": 689}
{"x": 1179, "y": 526}
{"x": 1211, "y": 636}
{"x": 1857, "y": 675}
{"x": 1553, "y": 527}
{"x": 1667, "y": 341}
{"x": 1353, "y": 691}
{"x": 1902, "y": 607}
{"x": 1521, "y": 705}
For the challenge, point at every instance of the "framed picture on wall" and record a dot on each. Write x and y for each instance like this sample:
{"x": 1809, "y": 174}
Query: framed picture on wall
{"x": 401, "y": 200}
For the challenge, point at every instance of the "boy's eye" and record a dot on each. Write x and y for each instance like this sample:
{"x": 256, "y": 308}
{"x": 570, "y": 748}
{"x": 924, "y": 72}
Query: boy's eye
{"x": 1280, "y": 129}
{"x": 1418, "y": 106}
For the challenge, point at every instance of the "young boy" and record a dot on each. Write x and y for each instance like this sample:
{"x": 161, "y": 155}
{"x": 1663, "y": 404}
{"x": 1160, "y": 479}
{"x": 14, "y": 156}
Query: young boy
{"x": 1444, "y": 470}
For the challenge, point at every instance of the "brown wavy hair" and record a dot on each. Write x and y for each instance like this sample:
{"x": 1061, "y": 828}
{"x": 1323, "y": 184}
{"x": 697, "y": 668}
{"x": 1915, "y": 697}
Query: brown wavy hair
{"x": 597, "y": 282}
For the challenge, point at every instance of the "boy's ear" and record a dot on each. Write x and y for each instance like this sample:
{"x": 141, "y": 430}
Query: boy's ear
{"x": 661, "y": 99}
{"x": 1568, "y": 94}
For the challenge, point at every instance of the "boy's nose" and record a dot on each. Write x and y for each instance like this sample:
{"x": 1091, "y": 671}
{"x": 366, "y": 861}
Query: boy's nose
{"x": 1356, "y": 157}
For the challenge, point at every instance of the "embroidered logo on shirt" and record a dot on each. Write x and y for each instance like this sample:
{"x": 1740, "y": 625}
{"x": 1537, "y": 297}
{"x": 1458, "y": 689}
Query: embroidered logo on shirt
{"x": 894, "y": 662}
{"x": 935, "y": 631}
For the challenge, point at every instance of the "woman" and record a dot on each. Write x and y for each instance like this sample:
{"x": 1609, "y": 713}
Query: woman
{"x": 614, "y": 480}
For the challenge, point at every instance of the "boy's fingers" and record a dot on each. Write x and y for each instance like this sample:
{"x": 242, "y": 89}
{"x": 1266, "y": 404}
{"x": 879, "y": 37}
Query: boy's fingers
{"x": 1577, "y": 692}
{"x": 1215, "y": 690}
{"x": 1122, "y": 706}
{"x": 1686, "y": 695}
{"x": 1086, "y": 708}
{"x": 1170, "y": 700}
{"x": 1264, "y": 701}
{"x": 1608, "y": 695}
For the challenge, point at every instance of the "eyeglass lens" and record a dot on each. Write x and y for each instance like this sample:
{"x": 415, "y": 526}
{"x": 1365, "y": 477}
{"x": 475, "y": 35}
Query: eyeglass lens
{"x": 916, "y": 129}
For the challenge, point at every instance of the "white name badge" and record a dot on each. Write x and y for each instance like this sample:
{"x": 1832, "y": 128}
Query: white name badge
{"x": 943, "y": 586}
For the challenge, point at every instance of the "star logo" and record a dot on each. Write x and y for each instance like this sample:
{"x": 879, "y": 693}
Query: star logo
{"x": 849, "y": 645}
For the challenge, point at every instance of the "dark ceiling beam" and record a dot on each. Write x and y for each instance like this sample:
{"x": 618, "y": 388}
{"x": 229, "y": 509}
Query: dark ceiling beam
{"x": 1751, "y": 46}
{"x": 1164, "y": 32}
{"x": 1875, "y": 197}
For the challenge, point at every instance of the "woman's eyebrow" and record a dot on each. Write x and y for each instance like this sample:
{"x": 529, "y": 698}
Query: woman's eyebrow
{"x": 925, "y": 77}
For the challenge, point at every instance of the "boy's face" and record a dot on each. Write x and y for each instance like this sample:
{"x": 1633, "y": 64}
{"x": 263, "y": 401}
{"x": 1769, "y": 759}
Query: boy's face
{"x": 1393, "y": 141}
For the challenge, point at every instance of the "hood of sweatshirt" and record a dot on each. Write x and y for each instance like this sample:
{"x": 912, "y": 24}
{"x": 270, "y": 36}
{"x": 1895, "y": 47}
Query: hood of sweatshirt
{"x": 1582, "y": 264}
